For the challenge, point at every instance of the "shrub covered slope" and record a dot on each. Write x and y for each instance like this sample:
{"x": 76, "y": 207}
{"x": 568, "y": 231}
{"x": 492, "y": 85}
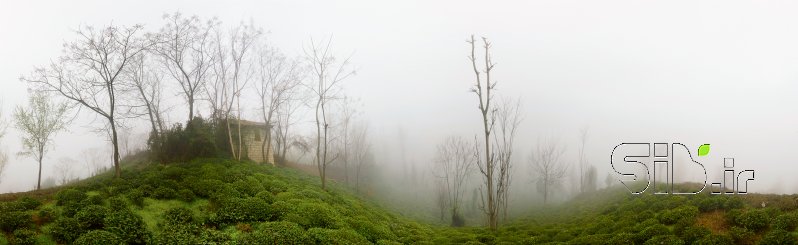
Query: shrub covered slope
{"x": 216, "y": 201}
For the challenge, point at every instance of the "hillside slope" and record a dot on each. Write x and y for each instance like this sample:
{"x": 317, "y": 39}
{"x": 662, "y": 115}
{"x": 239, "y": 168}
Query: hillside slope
{"x": 217, "y": 201}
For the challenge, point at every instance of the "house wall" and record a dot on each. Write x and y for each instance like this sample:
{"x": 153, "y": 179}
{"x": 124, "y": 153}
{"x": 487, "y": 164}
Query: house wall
{"x": 253, "y": 146}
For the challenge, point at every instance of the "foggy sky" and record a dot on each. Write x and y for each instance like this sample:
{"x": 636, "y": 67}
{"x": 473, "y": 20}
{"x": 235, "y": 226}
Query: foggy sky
{"x": 692, "y": 72}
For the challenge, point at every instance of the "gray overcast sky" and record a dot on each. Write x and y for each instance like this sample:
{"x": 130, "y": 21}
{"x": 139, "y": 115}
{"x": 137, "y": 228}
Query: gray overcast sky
{"x": 719, "y": 72}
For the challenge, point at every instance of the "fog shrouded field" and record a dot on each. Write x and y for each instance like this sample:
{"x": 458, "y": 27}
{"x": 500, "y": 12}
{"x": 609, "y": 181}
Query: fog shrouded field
{"x": 586, "y": 77}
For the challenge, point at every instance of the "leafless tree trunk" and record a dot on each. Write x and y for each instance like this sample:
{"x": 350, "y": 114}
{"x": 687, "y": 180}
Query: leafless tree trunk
{"x": 361, "y": 149}
{"x": 278, "y": 79}
{"x": 38, "y": 124}
{"x": 285, "y": 119}
{"x": 329, "y": 73}
{"x": 89, "y": 73}
{"x": 508, "y": 118}
{"x": 146, "y": 82}
{"x": 582, "y": 160}
{"x": 547, "y": 167}
{"x": 347, "y": 115}
{"x": 184, "y": 44}
{"x": 64, "y": 170}
{"x": 483, "y": 88}
{"x": 453, "y": 163}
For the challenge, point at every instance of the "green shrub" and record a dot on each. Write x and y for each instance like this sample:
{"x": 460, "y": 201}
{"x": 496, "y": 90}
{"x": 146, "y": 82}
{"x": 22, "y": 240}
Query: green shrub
{"x": 47, "y": 214}
{"x": 232, "y": 210}
{"x": 24, "y": 237}
{"x": 690, "y": 233}
{"x": 164, "y": 193}
{"x": 179, "y": 216}
{"x": 713, "y": 239}
{"x": 311, "y": 215}
{"x": 186, "y": 195}
{"x": 14, "y": 220}
{"x": 117, "y": 203}
{"x": 266, "y": 196}
{"x": 136, "y": 197}
{"x": 93, "y": 200}
{"x": 29, "y": 203}
{"x": 741, "y": 235}
{"x": 282, "y": 232}
{"x": 176, "y": 237}
{"x": 372, "y": 231}
{"x": 670, "y": 217}
{"x": 206, "y": 187}
{"x": 786, "y": 222}
{"x": 779, "y": 237}
{"x": 92, "y": 216}
{"x": 128, "y": 226}
{"x": 755, "y": 220}
{"x": 275, "y": 186}
{"x": 249, "y": 186}
{"x": 98, "y": 237}
{"x": 178, "y": 144}
{"x": 664, "y": 239}
{"x": 341, "y": 236}
{"x": 69, "y": 196}
{"x": 651, "y": 231}
{"x": 65, "y": 230}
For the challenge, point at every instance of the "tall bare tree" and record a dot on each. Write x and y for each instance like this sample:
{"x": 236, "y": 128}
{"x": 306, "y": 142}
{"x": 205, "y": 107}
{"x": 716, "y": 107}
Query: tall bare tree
{"x": 146, "y": 82}
{"x": 3, "y": 156}
{"x": 184, "y": 44}
{"x": 454, "y": 161}
{"x": 328, "y": 73}
{"x": 508, "y": 118}
{"x": 38, "y": 124}
{"x": 89, "y": 73}
{"x": 547, "y": 167}
{"x": 347, "y": 116}
{"x": 582, "y": 159}
{"x": 360, "y": 150}
{"x": 285, "y": 120}
{"x": 482, "y": 89}
{"x": 63, "y": 170}
{"x": 278, "y": 78}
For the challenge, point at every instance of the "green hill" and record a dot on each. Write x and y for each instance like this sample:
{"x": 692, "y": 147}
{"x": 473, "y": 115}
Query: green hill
{"x": 217, "y": 201}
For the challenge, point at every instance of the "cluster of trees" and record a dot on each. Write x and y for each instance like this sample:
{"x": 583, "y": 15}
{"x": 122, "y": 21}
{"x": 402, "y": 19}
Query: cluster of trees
{"x": 119, "y": 73}
{"x": 490, "y": 155}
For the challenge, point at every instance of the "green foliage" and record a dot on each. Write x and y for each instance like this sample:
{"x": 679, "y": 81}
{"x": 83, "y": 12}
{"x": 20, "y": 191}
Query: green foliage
{"x": 651, "y": 231}
{"x": 15, "y": 220}
{"x": 69, "y": 196}
{"x": 47, "y": 214}
{"x": 664, "y": 239}
{"x": 691, "y": 234}
{"x": 98, "y": 237}
{"x": 755, "y": 220}
{"x": 340, "y": 236}
{"x": 250, "y": 186}
{"x": 92, "y": 216}
{"x": 178, "y": 144}
{"x": 786, "y": 222}
{"x": 741, "y": 235}
{"x": 713, "y": 239}
{"x": 29, "y": 203}
{"x": 66, "y": 230}
{"x": 311, "y": 215}
{"x": 164, "y": 193}
{"x": 136, "y": 197}
{"x": 179, "y": 216}
{"x": 281, "y": 232}
{"x": 233, "y": 210}
{"x": 778, "y": 236}
{"x": 670, "y": 217}
{"x": 24, "y": 237}
{"x": 128, "y": 226}
{"x": 117, "y": 203}
{"x": 93, "y": 200}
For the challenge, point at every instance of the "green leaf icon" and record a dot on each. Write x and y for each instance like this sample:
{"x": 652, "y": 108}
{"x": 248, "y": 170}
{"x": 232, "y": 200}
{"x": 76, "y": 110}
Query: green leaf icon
{"x": 703, "y": 150}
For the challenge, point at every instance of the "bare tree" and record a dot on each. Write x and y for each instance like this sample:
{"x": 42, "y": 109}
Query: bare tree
{"x": 582, "y": 159}
{"x": 278, "y": 80}
{"x": 94, "y": 159}
{"x": 146, "y": 83}
{"x": 482, "y": 89}
{"x": 547, "y": 168}
{"x": 361, "y": 150}
{"x": 38, "y": 124}
{"x": 89, "y": 73}
{"x": 329, "y": 73}
{"x": 347, "y": 116}
{"x": 184, "y": 45}
{"x": 285, "y": 120}
{"x": 454, "y": 161}
{"x": 3, "y": 156}
{"x": 63, "y": 170}
{"x": 508, "y": 118}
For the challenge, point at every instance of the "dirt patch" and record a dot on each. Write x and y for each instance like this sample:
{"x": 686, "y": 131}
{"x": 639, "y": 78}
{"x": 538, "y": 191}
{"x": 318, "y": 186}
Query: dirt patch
{"x": 715, "y": 221}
